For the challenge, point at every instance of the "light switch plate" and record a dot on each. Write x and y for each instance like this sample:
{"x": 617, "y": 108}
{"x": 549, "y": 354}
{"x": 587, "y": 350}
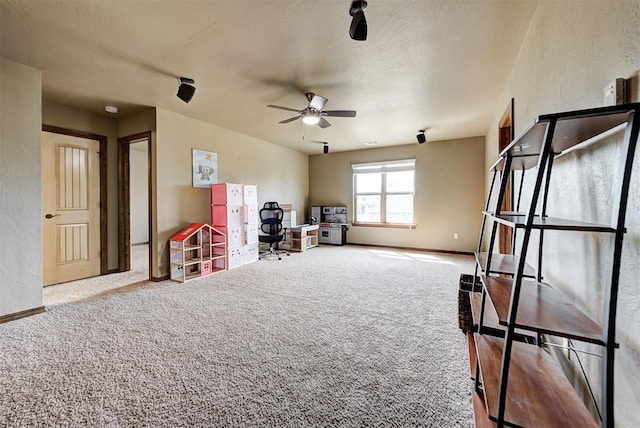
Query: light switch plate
{"x": 633, "y": 88}
{"x": 615, "y": 92}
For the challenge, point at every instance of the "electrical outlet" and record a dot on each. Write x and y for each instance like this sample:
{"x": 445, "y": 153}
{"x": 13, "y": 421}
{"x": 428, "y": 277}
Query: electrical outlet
{"x": 615, "y": 92}
{"x": 633, "y": 88}
{"x": 455, "y": 235}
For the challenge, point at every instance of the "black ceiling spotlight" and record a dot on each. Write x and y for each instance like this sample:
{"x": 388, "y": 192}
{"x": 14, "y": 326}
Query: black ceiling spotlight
{"x": 421, "y": 137}
{"x": 358, "y": 30}
{"x": 186, "y": 90}
{"x": 325, "y": 145}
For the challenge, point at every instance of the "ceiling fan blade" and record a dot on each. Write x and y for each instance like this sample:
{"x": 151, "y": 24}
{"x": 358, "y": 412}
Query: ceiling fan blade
{"x": 283, "y": 108}
{"x": 317, "y": 102}
{"x": 324, "y": 123}
{"x": 339, "y": 113}
{"x": 291, "y": 119}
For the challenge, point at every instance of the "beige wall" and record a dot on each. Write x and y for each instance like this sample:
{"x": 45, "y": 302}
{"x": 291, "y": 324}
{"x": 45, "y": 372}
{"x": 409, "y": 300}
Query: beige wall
{"x": 572, "y": 49}
{"x": 137, "y": 123}
{"x": 280, "y": 173}
{"x": 139, "y": 192}
{"x": 448, "y": 198}
{"x": 145, "y": 121}
{"x": 62, "y": 116}
{"x": 20, "y": 188}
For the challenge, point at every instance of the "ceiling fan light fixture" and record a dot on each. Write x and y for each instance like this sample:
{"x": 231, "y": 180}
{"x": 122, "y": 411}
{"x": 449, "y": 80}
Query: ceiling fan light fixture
{"x": 310, "y": 118}
{"x": 314, "y": 114}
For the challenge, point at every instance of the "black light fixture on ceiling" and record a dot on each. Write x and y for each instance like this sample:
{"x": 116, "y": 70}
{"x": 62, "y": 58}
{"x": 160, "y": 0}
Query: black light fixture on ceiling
{"x": 186, "y": 90}
{"x": 325, "y": 145}
{"x": 421, "y": 137}
{"x": 358, "y": 29}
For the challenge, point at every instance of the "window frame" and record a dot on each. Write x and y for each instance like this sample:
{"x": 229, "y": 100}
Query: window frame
{"x": 383, "y": 168}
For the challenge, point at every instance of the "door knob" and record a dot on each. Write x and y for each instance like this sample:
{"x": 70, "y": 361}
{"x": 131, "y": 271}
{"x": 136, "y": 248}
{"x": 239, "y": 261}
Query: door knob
{"x": 48, "y": 216}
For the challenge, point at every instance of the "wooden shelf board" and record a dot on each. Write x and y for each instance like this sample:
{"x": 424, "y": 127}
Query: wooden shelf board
{"x": 524, "y": 162}
{"x": 472, "y": 354}
{"x": 189, "y": 247}
{"x": 490, "y": 317}
{"x": 542, "y": 309}
{"x": 572, "y": 129}
{"x": 491, "y": 323}
{"x": 529, "y": 143}
{"x": 538, "y": 393}
{"x": 187, "y": 263}
{"x": 480, "y": 412}
{"x": 503, "y": 264}
{"x": 498, "y": 165}
{"x": 553, "y": 223}
{"x": 520, "y": 160}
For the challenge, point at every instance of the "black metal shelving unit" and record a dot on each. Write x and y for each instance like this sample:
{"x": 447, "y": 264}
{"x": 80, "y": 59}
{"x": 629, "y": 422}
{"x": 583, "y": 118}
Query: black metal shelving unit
{"x": 517, "y": 382}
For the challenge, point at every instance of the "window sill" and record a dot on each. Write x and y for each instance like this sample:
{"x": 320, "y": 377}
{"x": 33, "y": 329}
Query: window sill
{"x": 387, "y": 225}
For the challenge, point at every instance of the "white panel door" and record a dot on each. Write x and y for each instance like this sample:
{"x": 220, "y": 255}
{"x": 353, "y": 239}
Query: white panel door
{"x": 71, "y": 207}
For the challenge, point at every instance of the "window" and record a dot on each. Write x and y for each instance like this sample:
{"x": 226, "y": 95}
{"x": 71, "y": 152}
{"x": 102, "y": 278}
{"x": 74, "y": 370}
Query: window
{"x": 383, "y": 192}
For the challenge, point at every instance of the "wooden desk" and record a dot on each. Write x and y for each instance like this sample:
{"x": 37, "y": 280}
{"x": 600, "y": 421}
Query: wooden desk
{"x": 304, "y": 237}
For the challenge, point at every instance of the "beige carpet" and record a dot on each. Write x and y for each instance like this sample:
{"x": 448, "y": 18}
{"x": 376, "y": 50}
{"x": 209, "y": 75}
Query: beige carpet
{"x": 101, "y": 286}
{"x": 337, "y": 336}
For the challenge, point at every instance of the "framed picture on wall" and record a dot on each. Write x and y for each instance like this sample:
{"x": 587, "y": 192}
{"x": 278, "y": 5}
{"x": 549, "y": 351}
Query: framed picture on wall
{"x": 205, "y": 168}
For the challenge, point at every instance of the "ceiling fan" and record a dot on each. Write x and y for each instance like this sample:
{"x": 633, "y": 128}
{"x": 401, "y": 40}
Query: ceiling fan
{"x": 313, "y": 113}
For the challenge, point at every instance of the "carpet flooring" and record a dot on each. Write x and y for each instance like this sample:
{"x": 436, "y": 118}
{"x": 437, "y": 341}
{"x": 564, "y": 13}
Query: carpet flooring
{"x": 334, "y": 337}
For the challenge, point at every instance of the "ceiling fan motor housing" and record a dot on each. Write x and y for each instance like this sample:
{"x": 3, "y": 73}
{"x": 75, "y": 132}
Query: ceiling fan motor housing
{"x": 314, "y": 114}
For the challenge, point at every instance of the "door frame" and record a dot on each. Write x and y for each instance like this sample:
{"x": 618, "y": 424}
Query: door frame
{"x": 102, "y": 154}
{"x": 506, "y": 134}
{"x": 124, "y": 195}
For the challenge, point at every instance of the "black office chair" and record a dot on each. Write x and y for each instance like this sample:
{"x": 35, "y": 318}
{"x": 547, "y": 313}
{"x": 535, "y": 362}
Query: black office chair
{"x": 271, "y": 226}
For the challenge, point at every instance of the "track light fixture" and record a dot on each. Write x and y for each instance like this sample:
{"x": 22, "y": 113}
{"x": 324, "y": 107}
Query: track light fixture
{"x": 421, "y": 137}
{"x": 358, "y": 29}
{"x": 186, "y": 90}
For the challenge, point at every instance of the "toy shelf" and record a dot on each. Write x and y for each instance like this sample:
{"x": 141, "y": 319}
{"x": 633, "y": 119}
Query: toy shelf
{"x": 197, "y": 250}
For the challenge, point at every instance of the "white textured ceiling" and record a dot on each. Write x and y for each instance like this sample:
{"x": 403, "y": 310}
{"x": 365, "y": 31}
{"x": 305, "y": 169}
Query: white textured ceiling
{"x": 436, "y": 64}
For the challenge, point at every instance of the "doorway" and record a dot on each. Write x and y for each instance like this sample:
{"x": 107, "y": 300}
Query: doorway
{"x": 74, "y": 205}
{"x": 134, "y": 204}
{"x": 505, "y": 137}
